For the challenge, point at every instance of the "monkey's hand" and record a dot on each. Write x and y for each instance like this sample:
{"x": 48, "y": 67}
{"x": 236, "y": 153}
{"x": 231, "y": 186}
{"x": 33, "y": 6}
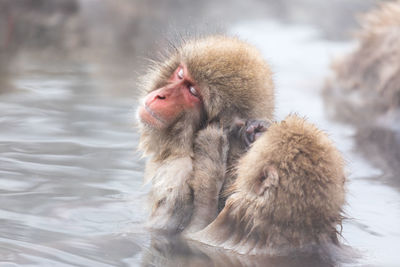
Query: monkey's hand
{"x": 212, "y": 144}
{"x": 250, "y": 130}
{"x": 209, "y": 166}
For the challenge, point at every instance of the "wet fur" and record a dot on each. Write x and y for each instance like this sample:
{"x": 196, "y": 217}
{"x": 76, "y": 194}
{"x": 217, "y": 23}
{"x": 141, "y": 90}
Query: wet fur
{"x": 235, "y": 82}
{"x": 301, "y": 206}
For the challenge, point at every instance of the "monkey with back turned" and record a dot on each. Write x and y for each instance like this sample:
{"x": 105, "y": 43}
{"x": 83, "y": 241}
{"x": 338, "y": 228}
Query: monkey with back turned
{"x": 288, "y": 194}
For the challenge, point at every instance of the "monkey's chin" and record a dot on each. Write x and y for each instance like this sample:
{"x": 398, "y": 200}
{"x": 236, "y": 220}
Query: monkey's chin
{"x": 148, "y": 118}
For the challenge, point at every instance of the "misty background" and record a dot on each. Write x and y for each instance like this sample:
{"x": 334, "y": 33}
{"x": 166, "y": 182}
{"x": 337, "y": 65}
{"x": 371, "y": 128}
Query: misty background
{"x": 71, "y": 189}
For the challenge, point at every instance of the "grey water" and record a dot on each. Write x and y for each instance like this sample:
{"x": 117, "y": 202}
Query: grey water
{"x": 71, "y": 187}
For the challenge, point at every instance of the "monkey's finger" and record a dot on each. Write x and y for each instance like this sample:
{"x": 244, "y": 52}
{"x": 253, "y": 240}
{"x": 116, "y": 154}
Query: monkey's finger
{"x": 239, "y": 122}
{"x": 249, "y": 138}
{"x": 251, "y": 129}
{"x": 262, "y": 126}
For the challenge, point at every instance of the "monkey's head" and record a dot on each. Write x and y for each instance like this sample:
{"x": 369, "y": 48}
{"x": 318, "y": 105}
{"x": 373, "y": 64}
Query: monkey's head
{"x": 291, "y": 179}
{"x": 211, "y": 79}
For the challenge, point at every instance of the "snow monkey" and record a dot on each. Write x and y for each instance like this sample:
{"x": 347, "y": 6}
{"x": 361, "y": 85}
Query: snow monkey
{"x": 190, "y": 103}
{"x": 288, "y": 194}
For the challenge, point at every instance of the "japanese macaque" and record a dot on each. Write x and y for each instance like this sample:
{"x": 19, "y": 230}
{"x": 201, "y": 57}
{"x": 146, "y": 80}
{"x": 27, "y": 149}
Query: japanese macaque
{"x": 192, "y": 100}
{"x": 288, "y": 194}
{"x": 364, "y": 88}
{"x": 371, "y": 73}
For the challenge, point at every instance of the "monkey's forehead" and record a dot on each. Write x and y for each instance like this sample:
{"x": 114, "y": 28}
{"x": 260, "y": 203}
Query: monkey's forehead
{"x": 232, "y": 69}
{"x": 222, "y": 55}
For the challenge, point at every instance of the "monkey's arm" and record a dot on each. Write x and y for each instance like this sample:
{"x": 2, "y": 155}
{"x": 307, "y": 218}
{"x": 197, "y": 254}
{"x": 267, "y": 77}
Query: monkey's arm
{"x": 209, "y": 167}
{"x": 170, "y": 196}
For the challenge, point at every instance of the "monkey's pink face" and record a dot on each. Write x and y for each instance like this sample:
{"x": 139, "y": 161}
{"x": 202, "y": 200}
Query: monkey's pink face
{"x": 163, "y": 106}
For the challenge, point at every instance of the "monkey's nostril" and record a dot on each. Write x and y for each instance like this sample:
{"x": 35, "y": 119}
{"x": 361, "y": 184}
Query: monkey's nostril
{"x": 160, "y": 97}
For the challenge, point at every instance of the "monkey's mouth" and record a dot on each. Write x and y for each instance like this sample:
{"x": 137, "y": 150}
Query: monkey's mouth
{"x": 148, "y": 115}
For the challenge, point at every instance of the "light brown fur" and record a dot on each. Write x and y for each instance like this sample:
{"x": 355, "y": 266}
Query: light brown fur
{"x": 366, "y": 83}
{"x": 365, "y": 89}
{"x": 235, "y": 82}
{"x": 288, "y": 194}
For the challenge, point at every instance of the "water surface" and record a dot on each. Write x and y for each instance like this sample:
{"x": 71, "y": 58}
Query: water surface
{"x": 71, "y": 189}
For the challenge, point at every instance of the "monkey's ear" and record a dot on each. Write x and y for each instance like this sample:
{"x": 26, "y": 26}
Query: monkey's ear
{"x": 269, "y": 179}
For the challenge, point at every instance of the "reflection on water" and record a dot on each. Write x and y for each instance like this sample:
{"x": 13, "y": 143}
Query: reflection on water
{"x": 67, "y": 168}
{"x": 171, "y": 252}
{"x": 71, "y": 180}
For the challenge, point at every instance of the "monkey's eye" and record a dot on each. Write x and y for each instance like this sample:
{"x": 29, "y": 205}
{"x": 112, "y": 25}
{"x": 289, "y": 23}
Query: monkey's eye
{"x": 193, "y": 91}
{"x": 180, "y": 73}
